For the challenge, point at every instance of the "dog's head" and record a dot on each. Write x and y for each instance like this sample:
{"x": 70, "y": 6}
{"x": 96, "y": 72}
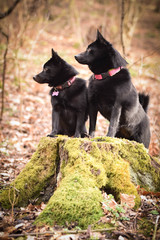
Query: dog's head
{"x": 55, "y": 71}
{"x": 101, "y": 56}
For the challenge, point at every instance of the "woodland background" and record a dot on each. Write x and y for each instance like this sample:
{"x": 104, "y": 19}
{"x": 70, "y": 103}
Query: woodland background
{"x": 28, "y": 31}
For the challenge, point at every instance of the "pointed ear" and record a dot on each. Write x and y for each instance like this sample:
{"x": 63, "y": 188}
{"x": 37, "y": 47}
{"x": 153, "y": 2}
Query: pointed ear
{"x": 98, "y": 34}
{"x": 55, "y": 56}
{"x": 100, "y": 37}
{"x": 53, "y": 53}
{"x": 117, "y": 59}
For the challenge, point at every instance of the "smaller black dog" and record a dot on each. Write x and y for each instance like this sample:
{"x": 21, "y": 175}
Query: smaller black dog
{"x": 68, "y": 97}
{"x": 112, "y": 93}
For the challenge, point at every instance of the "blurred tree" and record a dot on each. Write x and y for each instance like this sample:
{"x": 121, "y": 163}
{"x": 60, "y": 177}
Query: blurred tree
{"x": 130, "y": 13}
{"x": 157, "y": 5}
{"x": 6, "y": 13}
{"x": 4, "y": 72}
{"x": 15, "y": 33}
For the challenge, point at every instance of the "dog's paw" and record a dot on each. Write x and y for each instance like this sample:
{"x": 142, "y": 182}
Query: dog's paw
{"x": 91, "y": 134}
{"x": 51, "y": 135}
{"x": 77, "y": 135}
{"x": 84, "y": 135}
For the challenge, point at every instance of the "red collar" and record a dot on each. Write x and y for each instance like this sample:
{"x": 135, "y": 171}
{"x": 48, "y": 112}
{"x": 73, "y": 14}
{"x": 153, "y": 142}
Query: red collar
{"x": 110, "y": 73}
{"x": 63, "y": 86}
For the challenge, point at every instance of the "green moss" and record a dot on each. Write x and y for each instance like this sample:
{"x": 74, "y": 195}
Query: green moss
{"x": 84, "y": 167}
{"x": 117, "y": 168}
{"x": 84, "y": 157}
{"x": 77, "y": 199}
{"x": 101, "y": 225}
{"x": 145, "y": 226}
{"x": 33, "y": 178}
{"x": 141, "y": 170}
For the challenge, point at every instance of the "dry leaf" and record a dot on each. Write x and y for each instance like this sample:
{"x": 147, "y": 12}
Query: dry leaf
{"x": 105, "y": 219}
{"x": 30, "y": 207}
{"x": 127, "y": 199}
{"x": 109, "y": 203}
{"x": 112, "y": 204}
{"x": 43, "y": 206}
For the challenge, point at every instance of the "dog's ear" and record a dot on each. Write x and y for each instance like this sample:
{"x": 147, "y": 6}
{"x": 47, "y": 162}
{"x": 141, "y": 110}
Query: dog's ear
{"x": 55, "y": 56}
{"x": 52, "y": 52}
{"x": 117, "y": 59}
{"x": 100, "y": 38}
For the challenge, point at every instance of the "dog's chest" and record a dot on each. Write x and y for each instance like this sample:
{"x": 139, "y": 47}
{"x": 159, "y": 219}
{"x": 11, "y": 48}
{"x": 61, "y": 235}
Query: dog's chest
{"x": 102, "y": 92}
{"x": 103, "y": 96}
{"x": 61, "y": 102}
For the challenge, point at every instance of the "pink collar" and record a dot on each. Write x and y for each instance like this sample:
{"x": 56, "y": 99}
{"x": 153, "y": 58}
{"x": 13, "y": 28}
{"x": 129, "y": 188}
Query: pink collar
{"x": 63, "y": 86}
{"x": 110, "y": 73}
{"x": 66, "y": 84}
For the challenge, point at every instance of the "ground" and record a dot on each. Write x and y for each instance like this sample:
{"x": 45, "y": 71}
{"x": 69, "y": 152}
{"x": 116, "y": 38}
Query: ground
{"x": 24, "y": 124}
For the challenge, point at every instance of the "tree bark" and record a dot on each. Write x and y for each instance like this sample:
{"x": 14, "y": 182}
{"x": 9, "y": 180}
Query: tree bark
{"x": 4, "y": 72}
{"x": 131, "y": 10}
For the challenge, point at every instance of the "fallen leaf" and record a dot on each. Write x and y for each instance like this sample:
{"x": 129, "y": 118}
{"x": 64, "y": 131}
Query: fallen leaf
{"x": 105, "y": 219}
{"x": 127, "y": 199}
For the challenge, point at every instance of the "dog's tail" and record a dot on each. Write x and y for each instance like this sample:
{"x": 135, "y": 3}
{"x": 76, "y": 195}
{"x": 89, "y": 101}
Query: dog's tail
{"x": 144, "y": 101}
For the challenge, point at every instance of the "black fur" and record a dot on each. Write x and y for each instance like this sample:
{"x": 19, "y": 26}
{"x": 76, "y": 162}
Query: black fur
{"x": 69, "y": 107}
{"x": 144, "y": 101}
{"x": 115, "y": 97}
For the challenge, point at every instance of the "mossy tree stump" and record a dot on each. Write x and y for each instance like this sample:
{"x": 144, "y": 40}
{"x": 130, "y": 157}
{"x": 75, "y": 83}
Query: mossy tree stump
{"x": 71, "y": 173}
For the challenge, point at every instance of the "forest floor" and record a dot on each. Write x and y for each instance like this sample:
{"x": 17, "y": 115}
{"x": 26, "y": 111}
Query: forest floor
{"x": 27, "y": 118}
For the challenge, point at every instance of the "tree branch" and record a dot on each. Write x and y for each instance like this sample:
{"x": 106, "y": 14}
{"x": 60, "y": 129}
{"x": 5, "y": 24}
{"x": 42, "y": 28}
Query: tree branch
{"x": 4, "y": 71}
{"x": 5, "y": 14}
{"x": 122, "y": 26}
{"x": 61, "y": 232}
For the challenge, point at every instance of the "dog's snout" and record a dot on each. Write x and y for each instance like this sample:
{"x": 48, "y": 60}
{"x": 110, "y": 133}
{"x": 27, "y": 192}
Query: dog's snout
{"x": 36, "y": 78}
{"x": 76, "y": 56}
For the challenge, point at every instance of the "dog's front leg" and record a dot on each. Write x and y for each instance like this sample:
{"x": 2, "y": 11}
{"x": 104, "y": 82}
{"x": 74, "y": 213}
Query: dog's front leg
{"x": 92, "y": 119}
{"x": 55, "y": 124}
{"x": 79, "y": 124}
{"x": 114, "y": 120}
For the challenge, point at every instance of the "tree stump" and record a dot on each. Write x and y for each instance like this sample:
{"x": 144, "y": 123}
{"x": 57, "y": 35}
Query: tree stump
{"x": 71, "y": 172}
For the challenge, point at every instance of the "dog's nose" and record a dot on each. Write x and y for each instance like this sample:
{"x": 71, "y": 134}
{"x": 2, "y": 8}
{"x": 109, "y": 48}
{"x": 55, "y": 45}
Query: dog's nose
{"x": 76, "y": 56}
{"x": 34, "y": 78}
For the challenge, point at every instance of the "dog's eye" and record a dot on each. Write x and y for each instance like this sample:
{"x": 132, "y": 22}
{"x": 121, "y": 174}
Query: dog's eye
{"x": 89, "y": 50}
{"x": 46, "y": 70}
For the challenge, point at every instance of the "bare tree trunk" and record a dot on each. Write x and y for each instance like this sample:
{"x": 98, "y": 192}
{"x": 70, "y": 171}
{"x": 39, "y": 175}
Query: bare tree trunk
{"x": 75, "y": 19}
{"x": 130, "y": 14}
{"x": 157, "y": 6}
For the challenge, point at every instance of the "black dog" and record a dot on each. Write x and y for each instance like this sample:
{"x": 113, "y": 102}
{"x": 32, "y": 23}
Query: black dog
{"x": 112, "y": 93}
{"x": 68, "y": 97}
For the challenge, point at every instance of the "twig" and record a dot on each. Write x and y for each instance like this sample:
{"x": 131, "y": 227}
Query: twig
{"x": 60, "y": 232}
{"x": 146, "y": 56}
{"x": 13, "y": 201}
{"x": 155, "y": 229}
{"x": 122, "y": 26}
{"x": 5, "y": 14}
{"x": 4, "y": 72}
